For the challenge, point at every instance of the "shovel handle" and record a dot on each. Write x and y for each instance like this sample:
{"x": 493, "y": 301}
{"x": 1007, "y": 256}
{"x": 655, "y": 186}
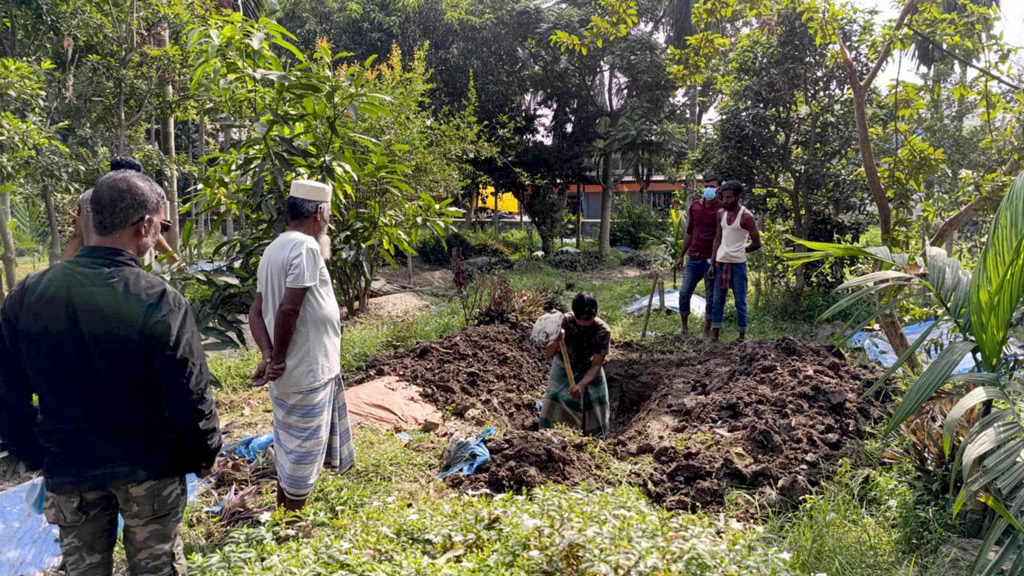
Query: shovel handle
{"x": 568, "y": 365}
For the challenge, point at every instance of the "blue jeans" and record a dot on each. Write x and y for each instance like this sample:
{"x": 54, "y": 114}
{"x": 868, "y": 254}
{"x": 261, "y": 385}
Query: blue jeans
{"x": 696, "y": 270}
{"x": 738, "y": 287}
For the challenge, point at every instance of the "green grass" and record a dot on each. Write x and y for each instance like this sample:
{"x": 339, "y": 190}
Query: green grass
{"x": 387, "y": 517}
{"x": 363, "y": 338}
{"x": 862, "y": 523}
{"x": 233, "y": 371}
{"x": 25, "y": 266}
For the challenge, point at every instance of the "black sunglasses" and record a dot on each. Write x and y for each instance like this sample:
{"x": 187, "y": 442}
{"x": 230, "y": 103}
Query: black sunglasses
{"x": 165, "y": 226}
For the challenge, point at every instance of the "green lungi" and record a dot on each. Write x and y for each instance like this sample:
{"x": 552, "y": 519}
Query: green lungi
{"x": 560, "y": 406}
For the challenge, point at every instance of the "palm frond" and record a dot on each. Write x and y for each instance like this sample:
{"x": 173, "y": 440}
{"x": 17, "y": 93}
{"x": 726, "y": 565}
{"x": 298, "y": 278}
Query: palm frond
{"x": 998, "y": 282}
{"x": 934, "y": 376}
{"x": 950, "y": 286}
{"x": 826, "y": 250}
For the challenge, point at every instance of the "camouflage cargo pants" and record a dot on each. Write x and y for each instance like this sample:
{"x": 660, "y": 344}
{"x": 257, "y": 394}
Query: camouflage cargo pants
{"x": 152, "y": 513}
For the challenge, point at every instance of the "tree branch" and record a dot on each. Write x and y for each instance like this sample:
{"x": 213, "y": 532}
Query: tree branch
{"x": 967, "y": 213}
{"x": 883, "y": 56}
{"x": 964, "y": 61}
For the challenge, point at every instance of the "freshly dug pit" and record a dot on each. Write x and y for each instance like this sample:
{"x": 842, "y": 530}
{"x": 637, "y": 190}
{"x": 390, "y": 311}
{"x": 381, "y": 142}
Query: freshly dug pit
{"x": 769, "y": 416}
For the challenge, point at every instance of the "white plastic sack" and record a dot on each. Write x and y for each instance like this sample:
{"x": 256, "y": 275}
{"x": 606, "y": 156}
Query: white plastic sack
{"x": 546, "y": 328}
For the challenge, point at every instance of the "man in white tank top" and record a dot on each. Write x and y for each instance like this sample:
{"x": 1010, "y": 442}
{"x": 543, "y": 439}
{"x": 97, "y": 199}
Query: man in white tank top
{"x": 736, "y": 226}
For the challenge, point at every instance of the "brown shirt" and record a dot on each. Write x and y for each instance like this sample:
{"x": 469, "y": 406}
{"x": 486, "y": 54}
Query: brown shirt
{"x": 583, "y": 342}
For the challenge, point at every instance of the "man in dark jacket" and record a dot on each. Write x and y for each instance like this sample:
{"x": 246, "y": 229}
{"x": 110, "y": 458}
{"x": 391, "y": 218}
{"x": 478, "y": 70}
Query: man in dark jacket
{"x": 124, "y": 404}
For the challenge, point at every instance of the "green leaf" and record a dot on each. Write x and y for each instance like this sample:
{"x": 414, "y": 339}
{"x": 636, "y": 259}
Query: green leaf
{"x": 289, "y": 47}
{"x": 937, "y": 374}
{"x": 862, "y": 294}
{"x": 970, "y": 400}
{"x": 998, "y": 282}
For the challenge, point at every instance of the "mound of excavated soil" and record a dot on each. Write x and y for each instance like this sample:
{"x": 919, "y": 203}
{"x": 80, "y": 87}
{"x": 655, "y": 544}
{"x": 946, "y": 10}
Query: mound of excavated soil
{"x": 522, "y": 459}
{"x": 771, "y": 414}
{"x": 484, "y": 374}
{"x": 768, "y": 416}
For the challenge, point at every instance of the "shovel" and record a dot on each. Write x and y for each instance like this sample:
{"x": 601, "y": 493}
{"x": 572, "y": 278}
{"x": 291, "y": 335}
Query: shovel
{"x": 572, "y": 381}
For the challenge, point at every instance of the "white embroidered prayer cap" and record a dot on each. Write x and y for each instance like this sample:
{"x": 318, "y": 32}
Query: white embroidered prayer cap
{"x": 311, "y": 190}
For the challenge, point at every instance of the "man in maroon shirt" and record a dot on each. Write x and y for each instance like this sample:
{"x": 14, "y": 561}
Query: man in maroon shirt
{"x": 701, "y": 225}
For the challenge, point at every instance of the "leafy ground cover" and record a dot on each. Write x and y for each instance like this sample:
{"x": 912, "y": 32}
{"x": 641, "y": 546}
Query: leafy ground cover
{"x": 388, "y": 517}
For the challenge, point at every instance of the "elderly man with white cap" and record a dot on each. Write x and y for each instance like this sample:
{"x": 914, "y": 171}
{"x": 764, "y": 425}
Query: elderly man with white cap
{"x": 296, "y": 322}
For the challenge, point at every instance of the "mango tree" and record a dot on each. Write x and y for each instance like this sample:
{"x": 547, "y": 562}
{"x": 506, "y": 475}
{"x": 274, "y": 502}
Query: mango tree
{"x": 22, "y": 135}
{"x": 304, "y": 116}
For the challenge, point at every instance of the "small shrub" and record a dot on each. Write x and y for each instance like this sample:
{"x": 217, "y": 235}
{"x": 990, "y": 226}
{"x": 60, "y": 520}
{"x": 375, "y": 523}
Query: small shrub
{"x": 470, "y": 293}
{"x": 644, "y": 260}
{"x": 583, "y": 261}
{"x": 634, "y": 224}
{"x": 490, "y": 249}
{"x": 516, "y": 308}
{"x": 437, "y": 253}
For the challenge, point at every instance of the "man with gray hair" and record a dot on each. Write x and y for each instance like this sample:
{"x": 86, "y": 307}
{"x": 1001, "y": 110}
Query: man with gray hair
{"x": 296, "y": 322}
{"x": 124, "y": 407}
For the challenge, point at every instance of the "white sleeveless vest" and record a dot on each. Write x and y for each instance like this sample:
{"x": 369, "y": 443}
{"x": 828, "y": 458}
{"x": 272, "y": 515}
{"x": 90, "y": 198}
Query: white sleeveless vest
{"x": 733, "y": 248}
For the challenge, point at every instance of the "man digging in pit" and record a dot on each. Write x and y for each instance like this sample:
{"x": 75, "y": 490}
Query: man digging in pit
{"x": 736, "y": 226}
{"x": 296, "y": 322}
{"x": 587, "y": 340}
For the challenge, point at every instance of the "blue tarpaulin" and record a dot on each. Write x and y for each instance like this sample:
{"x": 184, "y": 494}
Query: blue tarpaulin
{"x": 697, "y": 303}
{"x": 29, "y": 545}
{"x": 876, "y": 347}
{"x": 466, "y": 455}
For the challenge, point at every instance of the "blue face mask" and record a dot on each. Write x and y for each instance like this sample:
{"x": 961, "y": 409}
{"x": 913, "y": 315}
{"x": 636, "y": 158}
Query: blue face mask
{"x": 710, "y": 193}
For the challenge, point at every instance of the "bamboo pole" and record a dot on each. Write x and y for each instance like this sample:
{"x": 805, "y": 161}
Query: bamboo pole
{"x": 650, "y": 303}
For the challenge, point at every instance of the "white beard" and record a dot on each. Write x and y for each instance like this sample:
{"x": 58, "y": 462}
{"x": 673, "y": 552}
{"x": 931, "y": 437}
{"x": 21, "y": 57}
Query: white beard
{"x": 325, "y": 246}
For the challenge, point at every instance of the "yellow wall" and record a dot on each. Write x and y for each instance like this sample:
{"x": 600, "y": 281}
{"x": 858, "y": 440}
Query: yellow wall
{"x": 507, "y": 202}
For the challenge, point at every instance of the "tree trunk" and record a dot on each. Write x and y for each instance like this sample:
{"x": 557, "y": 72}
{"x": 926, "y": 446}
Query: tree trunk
{"x": 800, "y": 274}
{"x": 691, "y": 137}
{"x": 51, "y": 219}
{"x": 870, "y": 167}
{"x": 547, "y": 244}
{"x": 122, "y": 126}
{"x": 607, "y": 197}
{"x": 200, "y": 228}
{"x": 162, "y": 39}
{"x": 13, "y": 50}
{"x": 9, "y": 258}
{"x": 950, "y": 227}
{"x": 579, "y": 216}
{"x": 229, "y": 224}
{"x": 474, "y": 199}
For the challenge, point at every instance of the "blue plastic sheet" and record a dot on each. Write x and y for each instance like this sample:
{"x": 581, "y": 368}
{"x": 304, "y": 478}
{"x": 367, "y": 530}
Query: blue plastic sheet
{"x": 29, "y": 545}
{"x": 697, "y": 303}
{"x": 249, "y": 447}
{"x": 876, "y": 347}
{"x": 467, "y": 455}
